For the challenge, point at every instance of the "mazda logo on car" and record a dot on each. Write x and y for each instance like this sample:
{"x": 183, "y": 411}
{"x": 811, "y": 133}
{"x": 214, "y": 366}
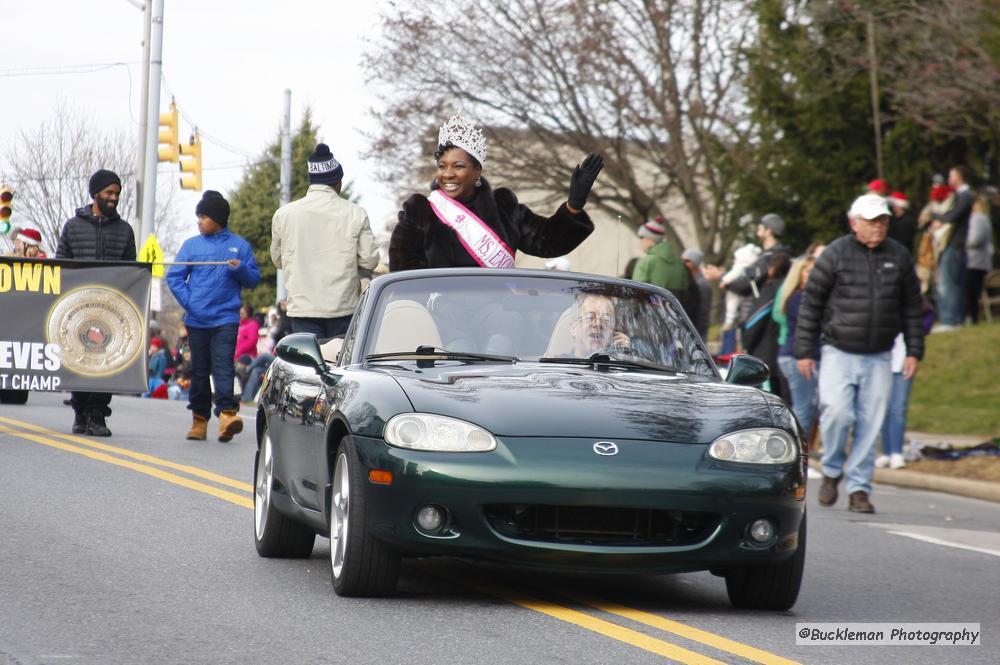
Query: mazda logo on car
{"x": 605, "y": 448}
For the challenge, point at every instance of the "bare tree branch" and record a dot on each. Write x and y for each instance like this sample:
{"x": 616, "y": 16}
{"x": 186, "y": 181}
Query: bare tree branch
{"x": 49, "y": 167}
{"x": 654, "y": 85}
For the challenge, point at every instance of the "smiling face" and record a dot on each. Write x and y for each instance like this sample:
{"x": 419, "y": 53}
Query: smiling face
{"x": 594, "y": 327}
{"x": 106, "y": 200}
{"x": 457, "y": 173}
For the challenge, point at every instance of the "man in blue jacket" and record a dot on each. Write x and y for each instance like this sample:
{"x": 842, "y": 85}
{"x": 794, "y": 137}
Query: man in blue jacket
{"x": 209, "y": 292}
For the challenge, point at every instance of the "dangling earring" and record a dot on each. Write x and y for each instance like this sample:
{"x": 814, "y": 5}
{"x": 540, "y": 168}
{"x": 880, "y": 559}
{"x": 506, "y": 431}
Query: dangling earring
{"x": 479, "y": 182}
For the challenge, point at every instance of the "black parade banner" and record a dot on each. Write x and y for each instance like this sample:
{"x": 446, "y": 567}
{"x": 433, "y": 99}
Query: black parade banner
{"x": 73, "y": 325}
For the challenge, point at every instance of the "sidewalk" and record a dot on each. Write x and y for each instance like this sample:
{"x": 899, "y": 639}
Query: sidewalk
{"x": 976, "y": 489}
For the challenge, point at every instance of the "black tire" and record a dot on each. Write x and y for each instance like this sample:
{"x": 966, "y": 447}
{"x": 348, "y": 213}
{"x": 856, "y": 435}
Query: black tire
{"x": 13, "y": 396}
{"x": 769, "y": 587}
{"x": 274, "y": 534}
{"x": 360, "y": 565}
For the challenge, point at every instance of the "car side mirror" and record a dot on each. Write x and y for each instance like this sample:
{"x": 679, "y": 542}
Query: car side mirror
{"x": 746, "y": 370}
{"x": 301, "y": 349}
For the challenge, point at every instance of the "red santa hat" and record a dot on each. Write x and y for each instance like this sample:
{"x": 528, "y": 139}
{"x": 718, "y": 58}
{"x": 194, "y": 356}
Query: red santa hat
{"x": 29, "y": 236}
{"x": 157, "y": 342}
{"x": 880, "y": 187}
{"x": 899, "y": 200}
{"x": 940, "y": 193}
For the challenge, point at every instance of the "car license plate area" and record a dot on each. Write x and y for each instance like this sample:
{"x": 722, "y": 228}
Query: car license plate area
{"x": 597, "y": 525}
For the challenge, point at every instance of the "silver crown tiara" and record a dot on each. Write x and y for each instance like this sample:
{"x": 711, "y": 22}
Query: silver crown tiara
{"x": 463, "y": 134}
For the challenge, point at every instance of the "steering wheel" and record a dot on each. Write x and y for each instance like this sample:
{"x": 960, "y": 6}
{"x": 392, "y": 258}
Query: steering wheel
{"x": 617, "y": 350}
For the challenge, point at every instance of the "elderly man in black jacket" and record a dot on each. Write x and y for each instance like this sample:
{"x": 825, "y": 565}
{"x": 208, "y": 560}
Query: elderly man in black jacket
{"x": 862, "y": 292}
{"x": 97, "y": 233}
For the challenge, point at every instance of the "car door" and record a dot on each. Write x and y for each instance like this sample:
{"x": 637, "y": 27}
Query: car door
{"x": 297, "y": 433}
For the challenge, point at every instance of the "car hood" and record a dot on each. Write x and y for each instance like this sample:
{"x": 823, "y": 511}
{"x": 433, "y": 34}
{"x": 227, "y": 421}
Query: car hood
{"x": 562, "y": 401}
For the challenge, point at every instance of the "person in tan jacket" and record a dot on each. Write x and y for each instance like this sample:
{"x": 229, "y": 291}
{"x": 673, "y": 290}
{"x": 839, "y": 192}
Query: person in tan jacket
{"x": 320, "y": 241}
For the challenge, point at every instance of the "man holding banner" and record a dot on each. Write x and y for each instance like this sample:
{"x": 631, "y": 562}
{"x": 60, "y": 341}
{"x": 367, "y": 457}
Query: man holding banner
{"x": 208, "y": 273}
{"x": 97, "y": 233}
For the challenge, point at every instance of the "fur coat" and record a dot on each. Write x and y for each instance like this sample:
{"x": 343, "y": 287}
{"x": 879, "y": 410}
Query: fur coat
{"x": 421, "y": 240}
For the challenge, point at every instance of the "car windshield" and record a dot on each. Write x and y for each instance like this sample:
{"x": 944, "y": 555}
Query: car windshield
{"x": 534, "y": 318}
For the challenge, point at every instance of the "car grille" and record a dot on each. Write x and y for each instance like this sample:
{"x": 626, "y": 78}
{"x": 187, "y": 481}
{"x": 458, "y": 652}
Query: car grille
{"x": 588, "y": 525}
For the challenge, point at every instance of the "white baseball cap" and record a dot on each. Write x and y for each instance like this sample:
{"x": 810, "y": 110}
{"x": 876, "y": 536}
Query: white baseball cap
{"x": 868, "y": 206}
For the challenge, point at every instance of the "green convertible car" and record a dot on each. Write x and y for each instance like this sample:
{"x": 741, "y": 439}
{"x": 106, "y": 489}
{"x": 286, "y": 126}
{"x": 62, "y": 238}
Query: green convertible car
{"x": 544, "y": 419}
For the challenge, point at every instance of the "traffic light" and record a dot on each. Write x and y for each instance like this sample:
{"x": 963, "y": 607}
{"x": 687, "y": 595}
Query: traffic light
{"x": 170, "y": 135}
{"x": 191, "y": 167}
{"x": 6, "y": 208}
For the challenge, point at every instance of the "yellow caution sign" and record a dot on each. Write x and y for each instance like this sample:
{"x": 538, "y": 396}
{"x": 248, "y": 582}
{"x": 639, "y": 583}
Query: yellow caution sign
{"x": 152, "y": 253}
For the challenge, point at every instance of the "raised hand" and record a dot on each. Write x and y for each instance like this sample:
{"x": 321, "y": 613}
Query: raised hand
{"x": 583, "y": 179}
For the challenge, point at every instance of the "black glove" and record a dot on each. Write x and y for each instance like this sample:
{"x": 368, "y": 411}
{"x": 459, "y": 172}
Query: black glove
{"x": 583, "y": 179}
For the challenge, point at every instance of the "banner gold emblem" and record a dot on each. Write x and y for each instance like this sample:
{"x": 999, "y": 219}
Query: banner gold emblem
{"x": 100, "y": 330}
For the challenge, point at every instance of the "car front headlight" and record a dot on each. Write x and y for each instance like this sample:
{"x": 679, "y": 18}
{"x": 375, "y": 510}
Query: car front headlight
{"x": 756, "y": 446}
{"x": 426, "y": 431}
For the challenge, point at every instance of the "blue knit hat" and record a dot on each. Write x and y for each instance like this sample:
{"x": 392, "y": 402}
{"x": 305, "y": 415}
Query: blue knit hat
{"x": 324, "y": 169}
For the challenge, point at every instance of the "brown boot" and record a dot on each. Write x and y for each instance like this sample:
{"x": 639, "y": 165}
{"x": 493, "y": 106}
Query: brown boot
{"x": 199, "y": 429}
{"x": 828, "y": 491}
{"x": 230, "y": 423}
{"x": 859, "y": 502}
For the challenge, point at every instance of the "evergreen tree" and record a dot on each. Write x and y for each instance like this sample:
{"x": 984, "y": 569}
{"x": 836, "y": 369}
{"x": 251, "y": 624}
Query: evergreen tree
{"x": 814, "y": 146}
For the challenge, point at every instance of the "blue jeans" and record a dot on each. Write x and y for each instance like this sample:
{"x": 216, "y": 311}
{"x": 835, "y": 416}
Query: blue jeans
{"x": 853, "y": 394}
{"x": 256, "y": 373}
{"x": 728, "y": 341}
{"x": 894, "y": 427}
{"x": 212, "y": 351}
{"x": 949, "y": 290}
{"x": 803, "y": 392}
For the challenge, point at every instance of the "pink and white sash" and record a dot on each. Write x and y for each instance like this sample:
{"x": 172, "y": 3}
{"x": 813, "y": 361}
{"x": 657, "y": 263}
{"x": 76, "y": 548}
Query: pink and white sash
{"x": 479, "y": 240}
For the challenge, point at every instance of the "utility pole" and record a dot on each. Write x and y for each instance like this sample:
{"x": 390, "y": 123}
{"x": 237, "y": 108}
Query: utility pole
{"x": 140, "y": 176}
{"x": 873, "y": 76}
{"x": 146, "y": 218}
{"x": 286, "y": 178}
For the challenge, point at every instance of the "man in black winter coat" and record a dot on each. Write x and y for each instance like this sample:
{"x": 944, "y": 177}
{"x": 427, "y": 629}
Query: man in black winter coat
{"x": 862, "y": 292}
{"x": 97, "y": 233}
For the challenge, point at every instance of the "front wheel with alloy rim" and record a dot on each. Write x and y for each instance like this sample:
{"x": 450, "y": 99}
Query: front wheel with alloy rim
{"x": 360, "y": 565}
{"x": 770, "y": 587}
{"x": 275, "y": 535}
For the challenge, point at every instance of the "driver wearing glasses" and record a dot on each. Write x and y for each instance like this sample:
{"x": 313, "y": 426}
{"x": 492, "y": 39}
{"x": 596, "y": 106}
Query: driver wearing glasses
{"x": 594, "y": 327}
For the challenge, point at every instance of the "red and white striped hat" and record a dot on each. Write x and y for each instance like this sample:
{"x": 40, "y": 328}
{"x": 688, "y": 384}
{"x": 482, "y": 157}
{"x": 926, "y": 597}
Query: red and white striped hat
{"x": 653, "y": 230}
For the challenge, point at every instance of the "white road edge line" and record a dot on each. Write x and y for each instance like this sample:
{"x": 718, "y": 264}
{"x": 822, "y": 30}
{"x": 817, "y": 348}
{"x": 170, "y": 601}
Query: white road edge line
{"x": 938, "y": 541}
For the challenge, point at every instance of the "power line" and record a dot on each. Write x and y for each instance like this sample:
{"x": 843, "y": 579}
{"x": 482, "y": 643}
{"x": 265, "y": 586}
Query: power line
{"x": 62, "y": 70}
{"x": 202, "y": 133}
{"x": 57, "y": 70}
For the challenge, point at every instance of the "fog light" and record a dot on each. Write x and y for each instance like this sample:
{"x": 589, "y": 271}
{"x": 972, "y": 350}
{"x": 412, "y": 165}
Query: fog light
{"x": 430, "y": 518}
{"x": 762, "y": 530}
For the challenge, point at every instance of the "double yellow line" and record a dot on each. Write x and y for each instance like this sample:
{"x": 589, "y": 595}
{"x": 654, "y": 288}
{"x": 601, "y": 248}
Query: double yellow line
{"x": 147, "y": 464}
{"x": 621, "y": 633}
{"x": 154, "y": 466}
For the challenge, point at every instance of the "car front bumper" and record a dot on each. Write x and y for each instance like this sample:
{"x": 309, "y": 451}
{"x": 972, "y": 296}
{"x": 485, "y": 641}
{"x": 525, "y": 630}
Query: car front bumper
{"x": 665, "y": 478}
